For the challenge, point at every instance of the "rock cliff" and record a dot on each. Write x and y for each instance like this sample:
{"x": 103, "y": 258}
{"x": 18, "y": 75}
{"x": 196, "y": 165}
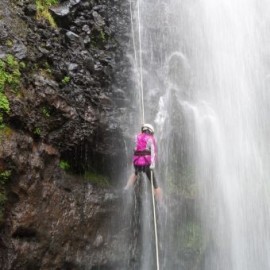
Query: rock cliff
{"x": 61, "y": 138}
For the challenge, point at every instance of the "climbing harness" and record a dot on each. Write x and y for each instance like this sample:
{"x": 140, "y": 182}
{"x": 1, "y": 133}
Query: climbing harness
{"x": 142, "y": 110}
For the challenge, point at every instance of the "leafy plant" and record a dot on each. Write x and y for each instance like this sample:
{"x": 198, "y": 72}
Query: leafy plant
{"x": 46, "y": 112}
{"x": 10, "y": 74}
{"x": 4, "y": 104}
{"x": 43, "y": 10}
{"x": 4, "y": 177}
{"x": 9, "y": 78}
{"x": 64, "y": 165}
{"x": 37, "y": 131}
{"x": 66, "y": 80}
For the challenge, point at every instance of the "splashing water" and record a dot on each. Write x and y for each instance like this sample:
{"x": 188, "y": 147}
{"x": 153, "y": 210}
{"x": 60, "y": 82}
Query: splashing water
{"x": 205, "y": 69}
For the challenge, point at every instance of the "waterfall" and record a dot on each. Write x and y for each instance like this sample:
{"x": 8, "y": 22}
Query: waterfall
{"x": 205, "y": 71}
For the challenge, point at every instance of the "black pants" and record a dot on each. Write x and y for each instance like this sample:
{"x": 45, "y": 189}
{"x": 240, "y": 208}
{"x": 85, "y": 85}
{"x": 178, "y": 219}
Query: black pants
{"x": 147, "y": 171}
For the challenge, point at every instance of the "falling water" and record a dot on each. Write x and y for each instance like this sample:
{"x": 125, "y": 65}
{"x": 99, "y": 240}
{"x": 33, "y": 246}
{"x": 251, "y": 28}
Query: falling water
{"x": 205, "y": 70}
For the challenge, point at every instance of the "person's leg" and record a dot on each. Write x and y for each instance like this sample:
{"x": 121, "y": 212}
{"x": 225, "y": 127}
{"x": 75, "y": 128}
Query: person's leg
{"x": 132, "y": 179}
{"x": 158, "y": 194}
{"x": 157, "y": 190}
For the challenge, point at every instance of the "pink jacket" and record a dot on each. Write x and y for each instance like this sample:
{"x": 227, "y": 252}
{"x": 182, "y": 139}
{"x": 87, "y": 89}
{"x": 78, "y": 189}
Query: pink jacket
{"x": 145, "y": 150}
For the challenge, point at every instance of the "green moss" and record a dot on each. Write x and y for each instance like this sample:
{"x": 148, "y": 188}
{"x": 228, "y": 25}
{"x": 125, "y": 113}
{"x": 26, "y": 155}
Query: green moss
{"x": 4, "y": 103}
{"x": 10, "y": 74}
{"x": 102, "y": 36}
{"x": 37, "y": 131}
{"x": 9, "y": 43}
{"x": 22, "y": 65}
{"x": 10, "y": 77}
{"x": 5, "y": 132}
{"x": 64, "y": 165}
{"x": 46, "y": 112}
{"x": 4, "y": 178}
{"x": 43, "y": 12}
{"x": 96, "y": 179}
{"x": 99, "y": 38}
{"x": 66, "y": 80}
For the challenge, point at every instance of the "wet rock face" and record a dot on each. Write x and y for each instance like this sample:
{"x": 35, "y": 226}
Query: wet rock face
{"x": 72, "y": 100}
{"x": 54, "y": 220}
{"x": 72, "y": 78}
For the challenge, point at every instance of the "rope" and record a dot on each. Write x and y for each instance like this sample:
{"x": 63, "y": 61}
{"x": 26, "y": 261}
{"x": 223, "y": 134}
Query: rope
{"x": 142, "y": 112}
{"x": 140, "y": 50}
{"x": 155, "y": 221}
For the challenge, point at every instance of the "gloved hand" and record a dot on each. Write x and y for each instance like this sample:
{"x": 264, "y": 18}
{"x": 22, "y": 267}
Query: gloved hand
{"x": 152, "y": 166}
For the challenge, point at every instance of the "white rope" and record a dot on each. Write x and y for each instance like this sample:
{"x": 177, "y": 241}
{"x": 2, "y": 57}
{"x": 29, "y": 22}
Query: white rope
{"x": 140, "y": 51}
{"x": 155, "y": 221}
{"x": 142, "y": 113}
{"x": 133, "y": 34}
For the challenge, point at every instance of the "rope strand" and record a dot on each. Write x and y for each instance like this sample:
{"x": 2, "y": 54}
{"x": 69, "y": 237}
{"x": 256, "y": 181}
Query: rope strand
{"x": 141, "y": 63}
{"x": 155, "y": 221}
{"x": 142, "y": 112}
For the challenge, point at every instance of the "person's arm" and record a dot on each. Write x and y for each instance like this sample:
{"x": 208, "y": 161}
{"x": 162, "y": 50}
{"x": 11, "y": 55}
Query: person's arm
{"x": 153, "y": 153}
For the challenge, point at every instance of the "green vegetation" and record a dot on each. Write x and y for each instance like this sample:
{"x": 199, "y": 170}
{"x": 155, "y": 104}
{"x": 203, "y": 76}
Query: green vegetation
{"x": 10, "y": 77}
{"x": 66, "y": 80}
{"x": 37, "y": 131}
{"x": 4, "y": 104}
{"x": 99, "y": 38}
{"x": 10, "y": 73}
{"x": 102, "y": 35}
{"x": 4, "y": 178}
{"x": 46, "y": 111}
{"x": 43, "y": 12}
{"x": 64, "y": 165}
{"x": 96, "y": 179}
{"x": 5, "y": 132}
{"x": 9, "y": 43}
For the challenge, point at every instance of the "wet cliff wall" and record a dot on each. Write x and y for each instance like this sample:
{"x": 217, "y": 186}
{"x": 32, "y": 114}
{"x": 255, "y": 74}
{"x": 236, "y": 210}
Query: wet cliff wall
{"x": 64, "y": 94}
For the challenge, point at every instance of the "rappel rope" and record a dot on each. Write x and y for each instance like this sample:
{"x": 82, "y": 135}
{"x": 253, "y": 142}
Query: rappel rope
{"x": 155, "y": 221}
{"x": 140, "y": 55}
{"x": 142, "y": 112}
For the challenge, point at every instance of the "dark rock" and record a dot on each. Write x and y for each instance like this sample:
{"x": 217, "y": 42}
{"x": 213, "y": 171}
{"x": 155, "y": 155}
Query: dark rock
{"x": 30, "y": 10}
{"x": 99, "y": 21}
{"x": 86, "y": 29}
{"x": 74, "y": 2}
{"x": 61, "y": 10}
{"x": 43, "y": 50}
{"x": 72, "y": 36}
{"x": 72, "y": 67}
{"x": 86, "y": 40}
{"x": 99, "y": 7}
{"x": 3, "y": 52}
{"x": 3, "y": 31}
{"x": 99, "y": 241}
{"x": 89, "y": 63}
{"x": 65, "y": 110}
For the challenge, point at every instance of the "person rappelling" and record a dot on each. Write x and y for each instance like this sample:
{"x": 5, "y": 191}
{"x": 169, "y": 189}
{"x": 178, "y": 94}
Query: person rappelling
{"x": 144, "y": 158}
